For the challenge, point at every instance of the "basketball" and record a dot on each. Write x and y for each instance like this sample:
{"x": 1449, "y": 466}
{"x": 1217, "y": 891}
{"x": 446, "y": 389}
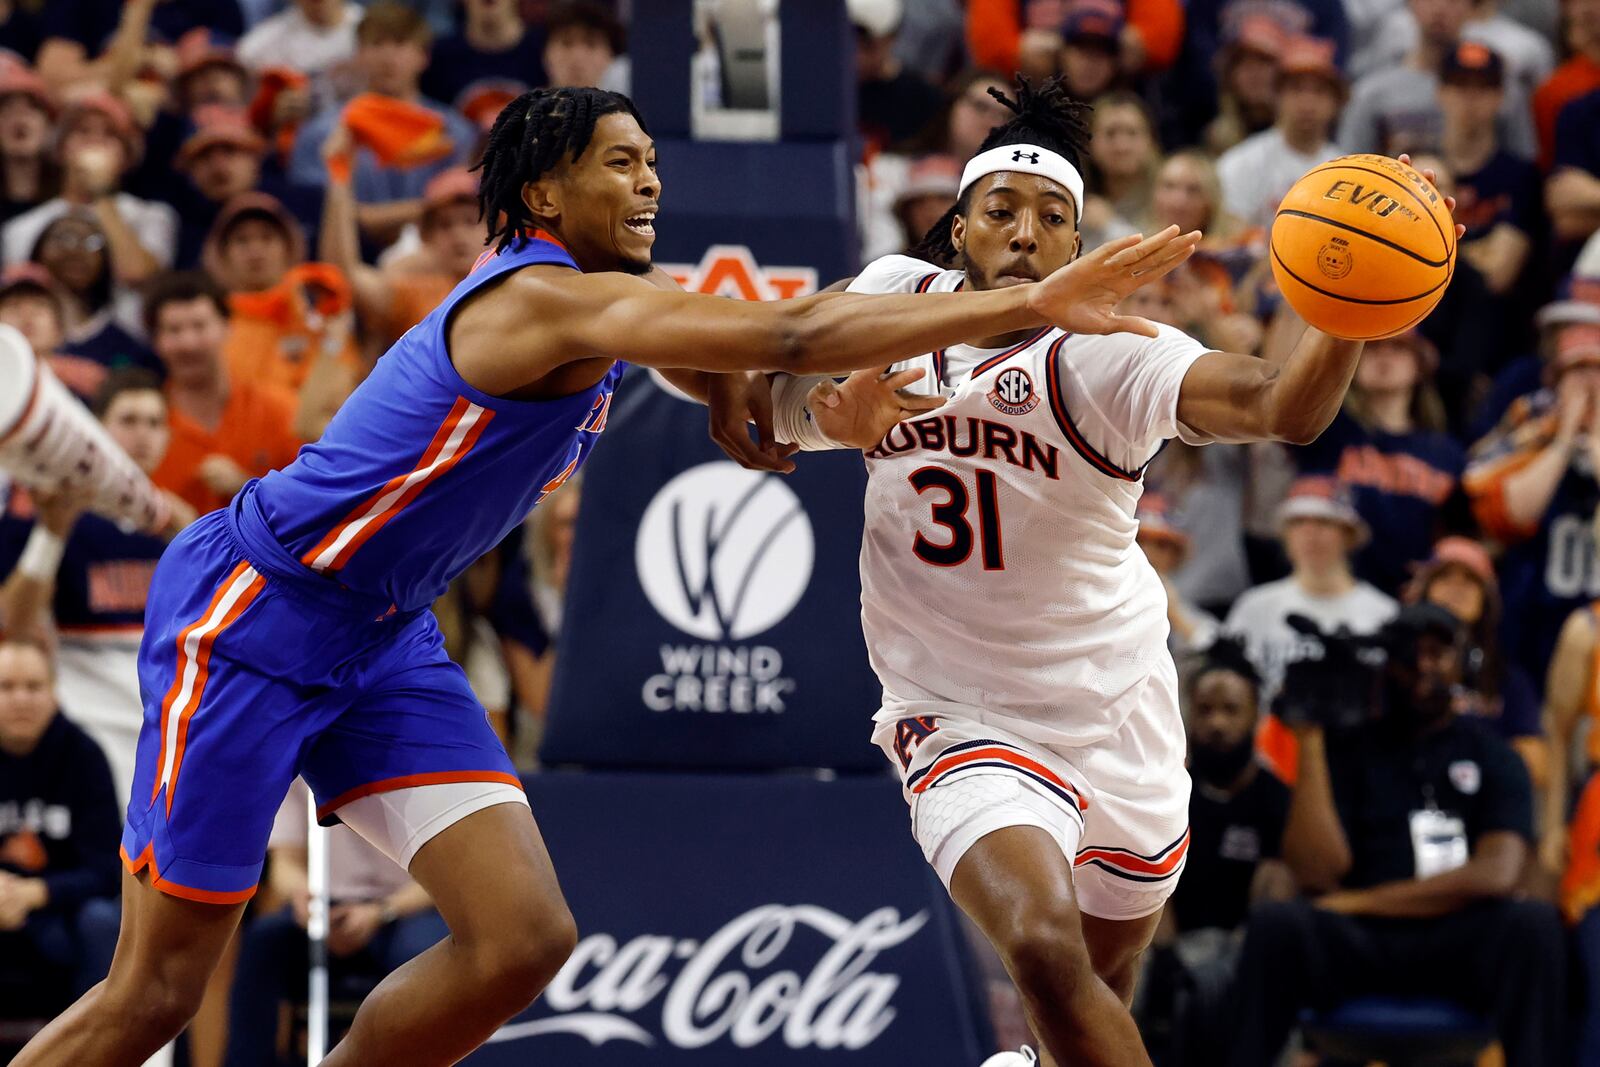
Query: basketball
{"x": 1363, "y": 247}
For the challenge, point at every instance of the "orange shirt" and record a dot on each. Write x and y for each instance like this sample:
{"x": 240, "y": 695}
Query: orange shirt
{"x": 412, "y": 297}
{"x": 271, "y": 339}
{"x": 1577, "y": 77}
{"x": 256, "y": 431}
{"x": 994, "y": 31}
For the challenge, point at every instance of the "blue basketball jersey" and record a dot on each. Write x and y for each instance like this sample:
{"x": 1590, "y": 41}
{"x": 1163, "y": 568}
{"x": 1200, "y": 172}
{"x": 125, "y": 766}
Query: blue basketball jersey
{"x": 419, "y": 473}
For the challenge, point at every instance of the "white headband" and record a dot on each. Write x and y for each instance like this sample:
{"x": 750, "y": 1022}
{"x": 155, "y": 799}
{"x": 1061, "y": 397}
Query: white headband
{"x": 1029, "y": 159}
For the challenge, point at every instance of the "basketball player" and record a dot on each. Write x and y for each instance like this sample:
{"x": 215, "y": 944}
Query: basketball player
{"x": 290, "y": 634}
{"x": 1030, "y": 703}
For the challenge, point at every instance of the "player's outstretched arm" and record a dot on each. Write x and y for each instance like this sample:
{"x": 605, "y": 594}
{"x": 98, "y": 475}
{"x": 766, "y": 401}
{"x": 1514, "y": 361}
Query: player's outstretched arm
{"x": 571, "y": 317}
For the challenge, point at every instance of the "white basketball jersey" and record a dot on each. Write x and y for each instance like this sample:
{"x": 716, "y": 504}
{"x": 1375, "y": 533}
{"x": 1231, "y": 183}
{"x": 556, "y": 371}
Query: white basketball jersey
{"x": 1000, "y": 577}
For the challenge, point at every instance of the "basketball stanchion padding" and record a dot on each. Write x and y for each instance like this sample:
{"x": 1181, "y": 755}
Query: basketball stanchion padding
{"x": 49, "y": 440}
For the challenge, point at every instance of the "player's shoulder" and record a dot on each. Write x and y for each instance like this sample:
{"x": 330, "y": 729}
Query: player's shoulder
{"x": 1092, "y": 350}
{"x": 903, "y": 274}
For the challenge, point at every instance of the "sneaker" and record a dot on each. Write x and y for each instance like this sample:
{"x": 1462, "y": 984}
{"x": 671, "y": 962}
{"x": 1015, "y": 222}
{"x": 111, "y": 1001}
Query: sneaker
{"x": 1023, "y": 1058}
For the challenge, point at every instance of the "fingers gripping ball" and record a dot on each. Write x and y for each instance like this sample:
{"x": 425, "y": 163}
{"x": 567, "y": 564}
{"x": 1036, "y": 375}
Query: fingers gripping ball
{"x": 1363, "y": 247}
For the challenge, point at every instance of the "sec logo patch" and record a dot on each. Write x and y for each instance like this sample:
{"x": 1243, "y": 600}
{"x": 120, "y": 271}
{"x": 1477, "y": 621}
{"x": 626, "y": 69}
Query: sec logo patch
{"x": 1013, "y": 392}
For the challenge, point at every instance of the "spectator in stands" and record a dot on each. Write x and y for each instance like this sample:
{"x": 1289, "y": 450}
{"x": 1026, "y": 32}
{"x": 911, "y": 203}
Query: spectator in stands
{"x": 1460, "y": 578}
{"x": 550, "y": 534}
{"x": 290, "y": 325}
{"x": 1573, "y": 189}
{"x": 585, "y": 45}
{"x": 1248, "y": 80}
{"x": 892, "y": 102}
{"x": 1091, "y": 47}
{"x": 1576, "y": 302}
{"x": 1166, "y": 546}
{"x": 1532, "y": 486}
{"x": 1124, "y": 156}
{"x": 101, "y": 317}
{"x": 1237, "y": 812}
{"x": 58, "y": 844}
{"x": 1027, "y": 35}
{"x": 1321, "y": 532}
{"x": 930, "y": 190}
{"x": 31, "y": 303}
{"x": 1390, "y": 446}
{"x": 1528, "y": 56}
{"x": 1412, "y": 829}
{"x": 1497, "y": 194}
{"x": 315, "y": 37}
{"x": 98, "y": 142}
{"x": 1188, "y": 194}
{"x": 81, "y": 36}
{"x": 209, "y": 73}
{"x": 379, "y": 919}
{"x": 223, "y": 159}
{"x": 1210, "y": 488}
{"x": 224, "y": 430}
{"x": 1578, "y": 76}
{"x": 391, "y": 53}
{"x": 957, "y": 132}
{"x": 1258, "y": 171}
{"x": 82, "y": 580}
{"x": 1396, "y": 109}
{"x": 391, "y": 300}
{"x": 28, "y": 172}
{"x": 1571, "y": 699}
{"x": 494, "y": 57}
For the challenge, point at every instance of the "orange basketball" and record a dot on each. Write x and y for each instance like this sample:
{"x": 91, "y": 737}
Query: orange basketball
{"x": 1362, "y": 247}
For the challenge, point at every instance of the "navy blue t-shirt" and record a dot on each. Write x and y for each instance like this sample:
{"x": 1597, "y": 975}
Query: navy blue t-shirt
{"x": 93, "y": 22}
{"x": 104, "y": 577}
{"x": 455, "y": 65}
{"x": 1505, "y": 189}
{"x": 1400, "y": 483}
{"x": 1578, "y": 134}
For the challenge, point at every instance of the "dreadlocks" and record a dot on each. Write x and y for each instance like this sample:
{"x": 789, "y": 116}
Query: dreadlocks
{"x": 1046, "y": 116}
{"x": 529, "y": 138}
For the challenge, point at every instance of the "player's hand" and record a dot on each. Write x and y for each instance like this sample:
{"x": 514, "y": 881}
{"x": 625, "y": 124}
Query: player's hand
{"x": 865, "y": 407}
{"x": 1433, "y": 180}
{"x": 222, "y": 475}
{"x": 1082, "y": 297}
{"x": 733, "y": 403}
{"x": 351, "y": 927}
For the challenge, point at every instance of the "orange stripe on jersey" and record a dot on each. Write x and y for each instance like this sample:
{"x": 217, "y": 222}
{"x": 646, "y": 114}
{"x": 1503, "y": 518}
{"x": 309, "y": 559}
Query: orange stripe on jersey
{"x": 948, "y": 764}
{"x": 453, "y": 440}
{"x": 194, "y": 668}
{"x": 411, "y": 781}
{"x": 178, "y": 676}
{"x": 147, "y": 858}
{"x": 1127, "y": 861}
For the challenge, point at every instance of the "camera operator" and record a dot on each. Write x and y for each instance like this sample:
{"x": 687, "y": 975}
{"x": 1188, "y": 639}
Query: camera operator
{"x": 1410, "y": 826}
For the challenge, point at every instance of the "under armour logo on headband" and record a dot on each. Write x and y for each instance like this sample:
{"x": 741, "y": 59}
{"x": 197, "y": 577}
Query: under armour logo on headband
{"x": 1018, "y": 157}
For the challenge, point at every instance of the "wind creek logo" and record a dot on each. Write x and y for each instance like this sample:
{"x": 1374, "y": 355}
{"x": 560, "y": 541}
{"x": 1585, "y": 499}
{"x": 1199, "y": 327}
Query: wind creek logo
{"x": 728, "y": 987}
{"x": 1013, "y": 392}
{"x": 723, "y": 554}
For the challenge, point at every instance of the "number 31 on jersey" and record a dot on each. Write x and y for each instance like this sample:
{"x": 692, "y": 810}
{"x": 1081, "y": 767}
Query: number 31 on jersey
{"x": 953, "y": 514}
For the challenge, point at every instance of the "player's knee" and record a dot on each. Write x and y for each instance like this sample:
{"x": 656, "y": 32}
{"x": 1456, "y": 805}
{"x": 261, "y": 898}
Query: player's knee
{"x": 161, "y": 1007}
{"x": 520, "y": 964}
{"x": 1045, "y": 951}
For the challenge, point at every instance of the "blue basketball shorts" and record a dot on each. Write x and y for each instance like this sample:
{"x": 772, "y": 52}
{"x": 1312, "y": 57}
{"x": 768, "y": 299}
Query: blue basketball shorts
{"x": 253, "y": 671}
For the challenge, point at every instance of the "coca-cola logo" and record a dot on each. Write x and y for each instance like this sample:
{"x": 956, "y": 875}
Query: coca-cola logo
{"x": 731, "y": 986}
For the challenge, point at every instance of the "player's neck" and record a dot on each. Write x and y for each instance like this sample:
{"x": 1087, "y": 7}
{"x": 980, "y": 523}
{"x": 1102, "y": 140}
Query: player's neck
{"x": 1332, "y": 583}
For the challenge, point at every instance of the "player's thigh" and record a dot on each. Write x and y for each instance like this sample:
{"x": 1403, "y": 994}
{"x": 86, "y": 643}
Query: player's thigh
{"x": 1136, "y": 832}
{"x": 412, "y": 755}
{"x": 491, "y": 878}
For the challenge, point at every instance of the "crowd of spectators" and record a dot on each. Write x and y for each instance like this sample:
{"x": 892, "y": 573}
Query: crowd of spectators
{"x": 215, "y": 214}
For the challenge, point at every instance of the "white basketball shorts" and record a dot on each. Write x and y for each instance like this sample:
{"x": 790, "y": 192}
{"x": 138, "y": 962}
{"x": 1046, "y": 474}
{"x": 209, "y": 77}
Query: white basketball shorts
{"x": 1118, "y": 809}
